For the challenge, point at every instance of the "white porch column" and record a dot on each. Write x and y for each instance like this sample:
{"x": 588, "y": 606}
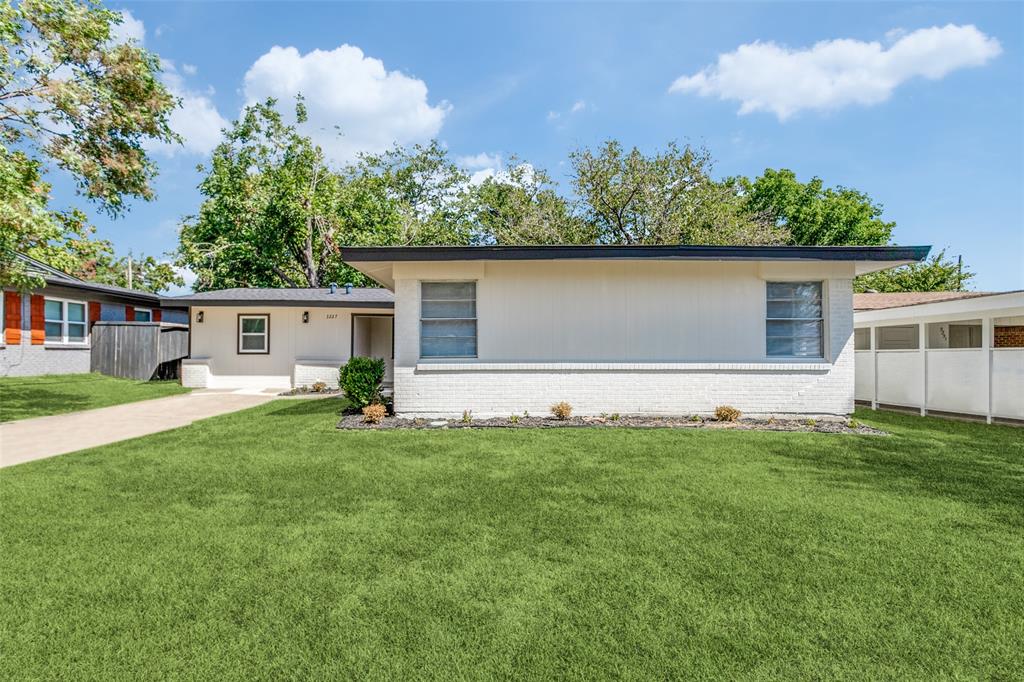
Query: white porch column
{"x": 923, "y": 354}
{"x": 874, "y": 369}
{"x": 986, "y": 346}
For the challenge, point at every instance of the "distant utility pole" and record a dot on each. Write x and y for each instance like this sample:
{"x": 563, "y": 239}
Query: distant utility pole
{"x": 129, "y": 269}
{"x": 960, "y": 273}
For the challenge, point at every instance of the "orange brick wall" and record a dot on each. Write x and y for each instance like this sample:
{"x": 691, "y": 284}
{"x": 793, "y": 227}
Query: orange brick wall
{"x": 1009, "y": 337}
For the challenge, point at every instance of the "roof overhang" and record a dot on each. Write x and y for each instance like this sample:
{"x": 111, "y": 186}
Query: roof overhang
{"x": 377, "y": 261}
{"x": 1002, "y": 304}
{"x": 185, "y": 301}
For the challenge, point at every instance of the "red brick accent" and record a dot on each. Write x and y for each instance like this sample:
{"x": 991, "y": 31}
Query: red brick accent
{"x": 12, "y": 317}
{"x": 1009, "y": 337}
{"x": 37, "y": 318}
{"x": 129, "y": 313}
{"x": 157, "y": 315}
{"x": 94, "y": 312}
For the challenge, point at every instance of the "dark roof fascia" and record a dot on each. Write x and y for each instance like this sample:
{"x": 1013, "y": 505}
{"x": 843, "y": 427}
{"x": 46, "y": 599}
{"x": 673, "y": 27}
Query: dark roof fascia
{"x": 364, "y": 254}
{"x": 271, "y": 303}
{"x": 47, "y": 272}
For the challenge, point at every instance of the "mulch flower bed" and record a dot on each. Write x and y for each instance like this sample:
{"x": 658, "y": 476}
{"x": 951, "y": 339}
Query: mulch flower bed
{"x": 306, "y": 390}
{"x": 355, "y": 421}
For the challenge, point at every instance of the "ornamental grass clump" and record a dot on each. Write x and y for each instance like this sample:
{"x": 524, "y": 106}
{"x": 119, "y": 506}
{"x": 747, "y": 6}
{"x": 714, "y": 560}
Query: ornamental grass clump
{"x": 360, "y": 379}
{"x": 375, "y": 413}
{"x": 727, "y": 413}
{"x": 562, "y": 410}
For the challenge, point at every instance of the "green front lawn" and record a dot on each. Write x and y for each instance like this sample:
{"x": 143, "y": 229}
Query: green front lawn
{"x": 266, "y": 544}
{"x": 24, "y": 397}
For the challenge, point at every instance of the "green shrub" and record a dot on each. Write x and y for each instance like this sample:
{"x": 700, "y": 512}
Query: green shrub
{"x": 360, "y": 379}
{"x": 467, "y": 416}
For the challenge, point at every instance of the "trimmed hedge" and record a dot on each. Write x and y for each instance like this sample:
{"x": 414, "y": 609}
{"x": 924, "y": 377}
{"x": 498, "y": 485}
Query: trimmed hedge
{"x": 360, "y": 379}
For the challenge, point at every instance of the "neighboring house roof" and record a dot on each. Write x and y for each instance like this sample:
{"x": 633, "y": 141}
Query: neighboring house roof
{"x": 54, "y": 277}
{"x": 360, "y": 297}
{"x": 881, "y": 301}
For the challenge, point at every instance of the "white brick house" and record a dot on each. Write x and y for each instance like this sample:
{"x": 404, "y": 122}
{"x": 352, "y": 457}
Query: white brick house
{"x": 649, "y": 329}
{"x": 503, "y": 330}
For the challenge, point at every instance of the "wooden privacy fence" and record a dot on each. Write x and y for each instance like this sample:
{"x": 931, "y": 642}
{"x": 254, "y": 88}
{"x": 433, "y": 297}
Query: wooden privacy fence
{"x": 138, "y": 350}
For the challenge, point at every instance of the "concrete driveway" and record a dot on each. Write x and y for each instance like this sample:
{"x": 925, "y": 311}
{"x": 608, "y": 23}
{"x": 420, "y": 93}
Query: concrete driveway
{"x": 29, "y": 439}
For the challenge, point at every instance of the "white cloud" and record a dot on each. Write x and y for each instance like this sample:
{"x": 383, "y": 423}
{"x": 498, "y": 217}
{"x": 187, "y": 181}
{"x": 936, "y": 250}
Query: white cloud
{"x": 578, "y": 105}
{"x": 354, "y": 103}
{"x": 130, "y": 28}
{"x": 190, "y": 280}
{"x": 189, "y": 69}
{"x": 836, "y": 73}
{"x": 481, "y": 160}
{"x": 197, "y": 120}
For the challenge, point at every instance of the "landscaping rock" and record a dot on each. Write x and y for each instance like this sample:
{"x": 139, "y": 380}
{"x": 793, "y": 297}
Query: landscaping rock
{"x": 824, "y": 425}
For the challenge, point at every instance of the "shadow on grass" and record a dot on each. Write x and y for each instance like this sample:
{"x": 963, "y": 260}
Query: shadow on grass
{"x": 976, "y": 464}
{"x": 24, "y": 403}
{"x": 309, "y": 406}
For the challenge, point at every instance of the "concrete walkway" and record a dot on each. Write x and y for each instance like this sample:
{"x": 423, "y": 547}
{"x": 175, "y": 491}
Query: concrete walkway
{"x": 30, "y": 439}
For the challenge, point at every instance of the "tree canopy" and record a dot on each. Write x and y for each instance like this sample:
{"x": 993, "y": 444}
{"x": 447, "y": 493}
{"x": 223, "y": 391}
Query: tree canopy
{"x": 73, "y": 99}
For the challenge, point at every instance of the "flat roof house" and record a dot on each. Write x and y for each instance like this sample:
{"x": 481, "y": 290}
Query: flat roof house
{"x": 49, "y": 330}
{"x": 629, "y": 329}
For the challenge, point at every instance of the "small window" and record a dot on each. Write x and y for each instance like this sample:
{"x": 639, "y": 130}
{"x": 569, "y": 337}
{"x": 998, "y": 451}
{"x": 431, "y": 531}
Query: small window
{"x": 254, "y": 334}
{"x": 897, "y": 337}
{"x": 448, "y": 320}
{"x": 143, "y": 315}
{"x": 64, "y": 321}
{"x": 862, "y": 338}
{"x": 795, "y": 326}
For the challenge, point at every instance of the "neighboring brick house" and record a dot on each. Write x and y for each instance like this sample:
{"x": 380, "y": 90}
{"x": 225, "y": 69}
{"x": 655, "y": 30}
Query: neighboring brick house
{"x": 503, "y": 330}
{"x": 48, "y": 330}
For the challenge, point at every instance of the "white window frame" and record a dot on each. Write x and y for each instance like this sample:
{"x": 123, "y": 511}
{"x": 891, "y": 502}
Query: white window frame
{"x": 145, "y": 310}
{"x": 65, "y": 340}
{"x": 823, "y": 320}
{"x": 265, "y": 334}
{"x": 476, "y": 290}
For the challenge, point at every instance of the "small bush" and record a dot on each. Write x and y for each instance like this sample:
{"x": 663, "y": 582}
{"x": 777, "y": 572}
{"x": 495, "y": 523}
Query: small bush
{"x": 374, "y": 414}
{"x": 467, "y": 416}
{"x": 319, "y": 387}
{"x": 614, "y": 417}
{"x": 513, "y": 419}
{"x": 811, "y": 422}
{"x": 562, "y": 410}
{"x": 853, "y": 424}
{"x": 727, "y": 413}
{"x": 695, "y": 418}
{"x": 360, "y": 380}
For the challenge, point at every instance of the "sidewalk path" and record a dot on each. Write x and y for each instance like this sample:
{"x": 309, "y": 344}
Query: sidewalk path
{"x": 30, "y": 439}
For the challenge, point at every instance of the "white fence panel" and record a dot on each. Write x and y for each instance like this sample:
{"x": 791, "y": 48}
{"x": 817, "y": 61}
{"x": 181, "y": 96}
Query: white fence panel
{"x": 864, "y": 385}
{"x": 956, "y": 381}
{"x": 900, "y": 378}
{"x": 1008, "y": 383}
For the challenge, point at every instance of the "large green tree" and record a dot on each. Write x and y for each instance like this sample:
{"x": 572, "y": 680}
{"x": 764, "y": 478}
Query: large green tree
{"x": 274, "y": 213}
{"x": 815, "y": 215}
{"x": 669, "y": 197}
{"x": 72, "y": 99}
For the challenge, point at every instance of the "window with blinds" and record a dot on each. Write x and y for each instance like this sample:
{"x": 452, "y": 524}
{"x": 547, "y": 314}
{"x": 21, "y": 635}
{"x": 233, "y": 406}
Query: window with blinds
{"x": 448, "y": 319}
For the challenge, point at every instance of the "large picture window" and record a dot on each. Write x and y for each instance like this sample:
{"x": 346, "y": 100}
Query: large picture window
{"x": 64, "y": 321}
{"x": 254, "y": 334}
{"x": 795, "y": 326}
{"x": 448, "y": 320}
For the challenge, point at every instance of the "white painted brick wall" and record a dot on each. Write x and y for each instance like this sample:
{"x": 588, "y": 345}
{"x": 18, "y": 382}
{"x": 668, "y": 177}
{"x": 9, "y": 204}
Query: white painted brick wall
{"x": 195, "y": 374}
{"x": 658, "y": 392}
{"x": 26, "y": 360}
{"x": 307, "y": 374}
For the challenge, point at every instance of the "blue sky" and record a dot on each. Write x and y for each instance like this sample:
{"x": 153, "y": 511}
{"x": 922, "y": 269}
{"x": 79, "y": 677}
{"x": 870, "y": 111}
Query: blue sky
{"x": 929, "y": 120}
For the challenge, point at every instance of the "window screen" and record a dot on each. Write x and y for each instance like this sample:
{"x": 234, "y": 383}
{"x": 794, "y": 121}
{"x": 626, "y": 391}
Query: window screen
{"x": 448, "y": 320}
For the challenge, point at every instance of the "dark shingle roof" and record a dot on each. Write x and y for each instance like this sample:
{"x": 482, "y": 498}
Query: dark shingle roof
{"x": 361, "y": 297}
{"x": 54, "y": 277}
